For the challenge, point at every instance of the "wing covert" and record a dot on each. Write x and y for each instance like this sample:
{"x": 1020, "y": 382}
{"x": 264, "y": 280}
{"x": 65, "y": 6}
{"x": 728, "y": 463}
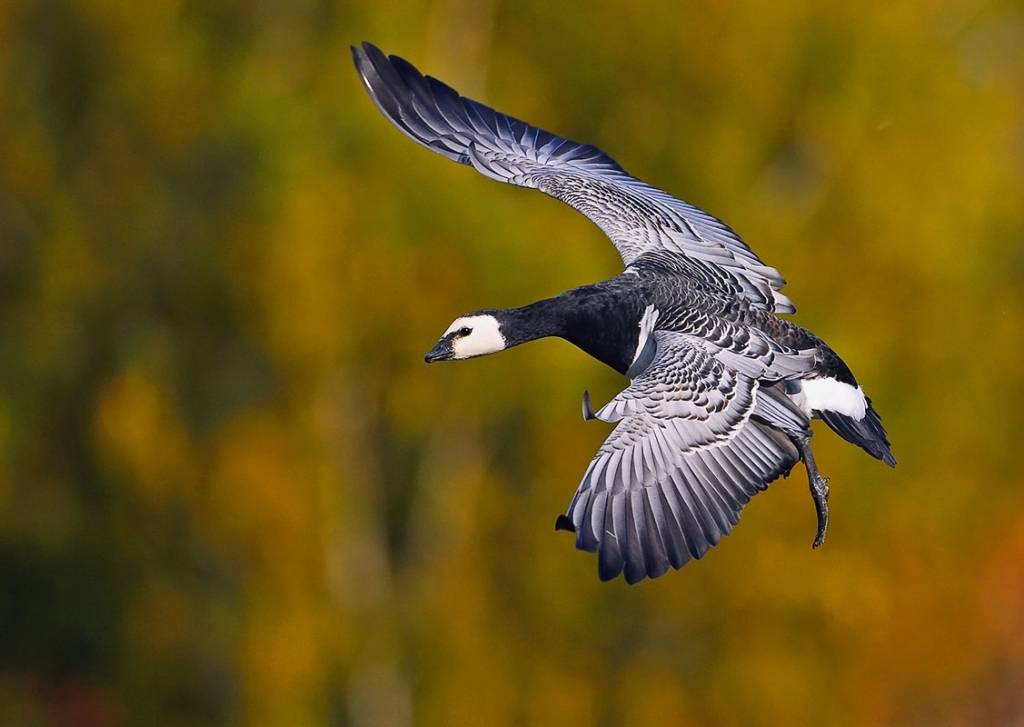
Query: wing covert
{"x": 695, "y": 441}
{"x": 637, "y": 217}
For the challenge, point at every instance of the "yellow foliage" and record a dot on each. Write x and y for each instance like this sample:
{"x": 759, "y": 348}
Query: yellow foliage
{"x": 232, "y": 493}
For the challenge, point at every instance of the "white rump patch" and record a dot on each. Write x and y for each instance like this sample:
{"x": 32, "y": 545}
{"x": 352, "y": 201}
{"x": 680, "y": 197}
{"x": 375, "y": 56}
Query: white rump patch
{"x": 827, "y": 394}
{"x": 484, "y": 336}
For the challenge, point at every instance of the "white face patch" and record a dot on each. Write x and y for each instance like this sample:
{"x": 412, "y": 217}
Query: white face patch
{"x": 484, "y": 336}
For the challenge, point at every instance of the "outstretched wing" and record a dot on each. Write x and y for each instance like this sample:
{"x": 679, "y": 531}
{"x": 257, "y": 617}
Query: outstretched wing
{"x": 695, "y": 441}
{"x": 637, "y": 217}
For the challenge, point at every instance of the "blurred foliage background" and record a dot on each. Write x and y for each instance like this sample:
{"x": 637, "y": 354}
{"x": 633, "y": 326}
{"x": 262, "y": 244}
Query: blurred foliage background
{"x": 230, "y": 491}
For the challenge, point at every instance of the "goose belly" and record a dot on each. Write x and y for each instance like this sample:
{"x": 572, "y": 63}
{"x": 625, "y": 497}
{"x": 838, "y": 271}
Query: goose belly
{"x": 824, "y": 393}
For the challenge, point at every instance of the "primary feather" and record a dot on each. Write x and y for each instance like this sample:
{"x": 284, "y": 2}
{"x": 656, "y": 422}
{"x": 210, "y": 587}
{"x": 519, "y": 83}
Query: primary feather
{"x": 721, "y": 389}
{"x": 637, "y": 217}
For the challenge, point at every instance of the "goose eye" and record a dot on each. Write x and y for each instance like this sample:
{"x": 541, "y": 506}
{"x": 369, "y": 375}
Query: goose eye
{"x": 463, "y": 331}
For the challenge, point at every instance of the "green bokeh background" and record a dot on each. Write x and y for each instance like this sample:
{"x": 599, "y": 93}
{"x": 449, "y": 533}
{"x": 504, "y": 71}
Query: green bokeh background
{"x": 231, "y": 492}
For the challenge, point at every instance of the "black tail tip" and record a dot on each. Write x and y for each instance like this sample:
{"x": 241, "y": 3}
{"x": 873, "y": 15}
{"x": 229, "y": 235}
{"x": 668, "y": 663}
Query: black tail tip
{"x": 562, "y": 522}
{"x": 866, "y": 432}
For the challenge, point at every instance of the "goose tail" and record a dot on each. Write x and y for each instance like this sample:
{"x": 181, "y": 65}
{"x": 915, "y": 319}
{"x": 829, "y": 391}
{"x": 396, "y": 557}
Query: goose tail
{"x": 867, "y": 432}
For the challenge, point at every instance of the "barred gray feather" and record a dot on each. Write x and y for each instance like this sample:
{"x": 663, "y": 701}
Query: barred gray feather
{"x": 637, "y": 217}
{"x": 690, "y": 450}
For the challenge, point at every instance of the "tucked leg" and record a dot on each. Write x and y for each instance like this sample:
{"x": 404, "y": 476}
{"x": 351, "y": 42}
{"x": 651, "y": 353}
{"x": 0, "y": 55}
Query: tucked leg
{"x": 818, "y": 485}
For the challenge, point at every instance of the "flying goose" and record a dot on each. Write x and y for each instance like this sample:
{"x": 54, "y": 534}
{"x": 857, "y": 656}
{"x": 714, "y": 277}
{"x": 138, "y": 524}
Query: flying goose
{"x": 721, "y": 389}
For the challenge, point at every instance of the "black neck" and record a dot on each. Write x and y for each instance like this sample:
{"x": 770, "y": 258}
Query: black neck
{"x": 590, "y": 317}
{"x": 537, "y": 320}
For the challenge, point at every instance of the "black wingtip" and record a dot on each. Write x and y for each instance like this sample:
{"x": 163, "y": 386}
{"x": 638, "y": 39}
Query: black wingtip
{"x": 368, "y": 48}
{"x": 562, "y": 522}
{"x": 632, "y": 578}
{"x": 361, "y": 59}
{"x": 369, "y": 58}
{"x": 606, "y": 575}
{"x": 361, "y": 51}
{"x": 607, "y": 571}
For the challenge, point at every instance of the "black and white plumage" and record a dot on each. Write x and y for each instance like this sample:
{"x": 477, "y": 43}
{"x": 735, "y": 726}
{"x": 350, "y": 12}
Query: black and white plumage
{"x": 721, "y": 389}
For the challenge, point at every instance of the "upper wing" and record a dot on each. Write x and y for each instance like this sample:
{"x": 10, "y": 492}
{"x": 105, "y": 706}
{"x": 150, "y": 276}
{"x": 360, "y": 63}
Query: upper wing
{"x": 637, "y": 217}
{"x": 695, "y": 441}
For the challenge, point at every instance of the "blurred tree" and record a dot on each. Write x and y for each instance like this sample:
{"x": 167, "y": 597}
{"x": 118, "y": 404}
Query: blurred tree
{"x": 230, "y": 492}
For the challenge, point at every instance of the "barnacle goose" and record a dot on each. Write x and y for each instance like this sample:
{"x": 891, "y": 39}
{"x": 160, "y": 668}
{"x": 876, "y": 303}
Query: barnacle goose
{"x": 721, "y": 390}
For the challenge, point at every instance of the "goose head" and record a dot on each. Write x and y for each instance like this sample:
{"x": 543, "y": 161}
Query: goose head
{"x": 468, "y": 336}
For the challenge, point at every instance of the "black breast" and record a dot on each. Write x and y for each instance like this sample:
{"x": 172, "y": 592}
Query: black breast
{"x": 604, "y": 320}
